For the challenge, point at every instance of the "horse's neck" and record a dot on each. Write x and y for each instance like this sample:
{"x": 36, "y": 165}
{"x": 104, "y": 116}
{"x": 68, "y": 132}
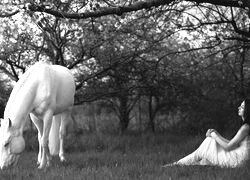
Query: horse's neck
{"x": 18, "y": 111}
{"x": 20, "y": 83}
{"x": 20, "y": 102}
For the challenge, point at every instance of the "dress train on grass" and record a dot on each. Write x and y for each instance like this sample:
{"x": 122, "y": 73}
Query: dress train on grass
{"x": 211, "y": 153}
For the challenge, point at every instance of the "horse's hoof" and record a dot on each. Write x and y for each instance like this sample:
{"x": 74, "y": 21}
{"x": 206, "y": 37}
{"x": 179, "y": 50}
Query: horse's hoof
{"x": 62, "y": 159}
{"x": 42, "y": 166}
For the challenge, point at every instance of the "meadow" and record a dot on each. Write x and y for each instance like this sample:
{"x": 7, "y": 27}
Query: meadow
{"x": 130, "y": 156}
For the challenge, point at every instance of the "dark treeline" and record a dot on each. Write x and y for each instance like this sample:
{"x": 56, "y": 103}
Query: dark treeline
{"x": 184, "y": 58}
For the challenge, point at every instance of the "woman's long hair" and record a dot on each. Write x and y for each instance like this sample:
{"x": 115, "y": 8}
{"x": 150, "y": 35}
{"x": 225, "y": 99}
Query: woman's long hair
{"x": 246, "y": 114}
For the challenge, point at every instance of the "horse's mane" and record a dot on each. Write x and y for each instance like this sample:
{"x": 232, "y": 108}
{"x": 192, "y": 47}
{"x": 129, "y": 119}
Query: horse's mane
{"x": 24, "y": 77}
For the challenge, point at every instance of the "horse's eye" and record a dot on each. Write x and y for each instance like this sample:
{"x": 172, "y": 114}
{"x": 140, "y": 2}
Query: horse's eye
{"x": 6, "y": 144}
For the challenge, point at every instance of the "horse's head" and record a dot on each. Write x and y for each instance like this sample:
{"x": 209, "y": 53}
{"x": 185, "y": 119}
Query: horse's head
{"x": 11, "y": 144}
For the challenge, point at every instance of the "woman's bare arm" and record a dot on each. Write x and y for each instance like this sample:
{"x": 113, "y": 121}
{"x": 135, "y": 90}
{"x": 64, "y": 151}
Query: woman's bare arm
{"x": 222, "y": 138}
{"x": 209, "y": 131}
{"x": 235, "y": 141}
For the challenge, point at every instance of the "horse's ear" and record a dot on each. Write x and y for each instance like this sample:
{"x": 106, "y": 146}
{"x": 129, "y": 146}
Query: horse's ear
{"x": 10, "y": 124}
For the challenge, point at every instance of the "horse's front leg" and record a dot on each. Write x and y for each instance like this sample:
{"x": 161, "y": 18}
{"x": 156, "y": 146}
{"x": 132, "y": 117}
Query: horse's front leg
{"x": 47, "y": 119}
{"x": 39, "y": 126}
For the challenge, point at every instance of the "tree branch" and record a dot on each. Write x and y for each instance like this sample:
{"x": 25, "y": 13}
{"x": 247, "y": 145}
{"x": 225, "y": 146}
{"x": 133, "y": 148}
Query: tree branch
{"x": 120, "y": 10}
{"x": 4, "y": 15}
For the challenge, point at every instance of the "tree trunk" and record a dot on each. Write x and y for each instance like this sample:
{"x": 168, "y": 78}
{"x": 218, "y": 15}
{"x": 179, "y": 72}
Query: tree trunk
{"x": 151, "y": 114}
{"x": 123, "y": 113}
{"x": 242, "y": 78}
{"x": 140, "y": 115}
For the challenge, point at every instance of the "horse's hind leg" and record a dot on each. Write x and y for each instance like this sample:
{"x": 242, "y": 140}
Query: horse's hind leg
{"x": 39, "y": 126}
{"x": 62, "y": 133}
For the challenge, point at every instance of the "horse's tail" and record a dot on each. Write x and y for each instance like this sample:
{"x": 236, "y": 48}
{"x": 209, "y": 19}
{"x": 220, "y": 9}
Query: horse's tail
{"x": 54, "y": 135}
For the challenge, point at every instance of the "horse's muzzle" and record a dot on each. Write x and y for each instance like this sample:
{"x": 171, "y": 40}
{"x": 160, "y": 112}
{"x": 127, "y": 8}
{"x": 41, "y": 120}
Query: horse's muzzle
{"x": 13, "y": 162}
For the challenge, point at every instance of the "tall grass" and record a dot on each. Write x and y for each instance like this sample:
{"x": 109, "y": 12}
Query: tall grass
{"x": 132, "y": 156}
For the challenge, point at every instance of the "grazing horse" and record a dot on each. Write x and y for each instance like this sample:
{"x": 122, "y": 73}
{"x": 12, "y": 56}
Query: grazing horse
{"x": 43, "y": 91}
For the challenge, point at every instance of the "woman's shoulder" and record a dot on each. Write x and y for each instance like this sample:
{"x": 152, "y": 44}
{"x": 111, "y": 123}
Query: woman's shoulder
{"x": 245, "y": 127}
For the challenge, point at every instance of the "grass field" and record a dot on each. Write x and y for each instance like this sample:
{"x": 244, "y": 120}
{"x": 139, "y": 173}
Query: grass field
{"x": 123, "y": 157}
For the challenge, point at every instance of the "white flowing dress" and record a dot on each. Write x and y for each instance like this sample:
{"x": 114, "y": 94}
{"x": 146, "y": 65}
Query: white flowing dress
{"x": 211, "y": 153}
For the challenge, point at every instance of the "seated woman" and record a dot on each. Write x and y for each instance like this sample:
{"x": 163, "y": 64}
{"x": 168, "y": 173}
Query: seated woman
{"x": 217, "y": 150}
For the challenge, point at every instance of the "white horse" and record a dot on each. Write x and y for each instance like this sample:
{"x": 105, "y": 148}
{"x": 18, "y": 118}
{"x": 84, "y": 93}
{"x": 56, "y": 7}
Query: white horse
{"x": 43, "y": 91}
